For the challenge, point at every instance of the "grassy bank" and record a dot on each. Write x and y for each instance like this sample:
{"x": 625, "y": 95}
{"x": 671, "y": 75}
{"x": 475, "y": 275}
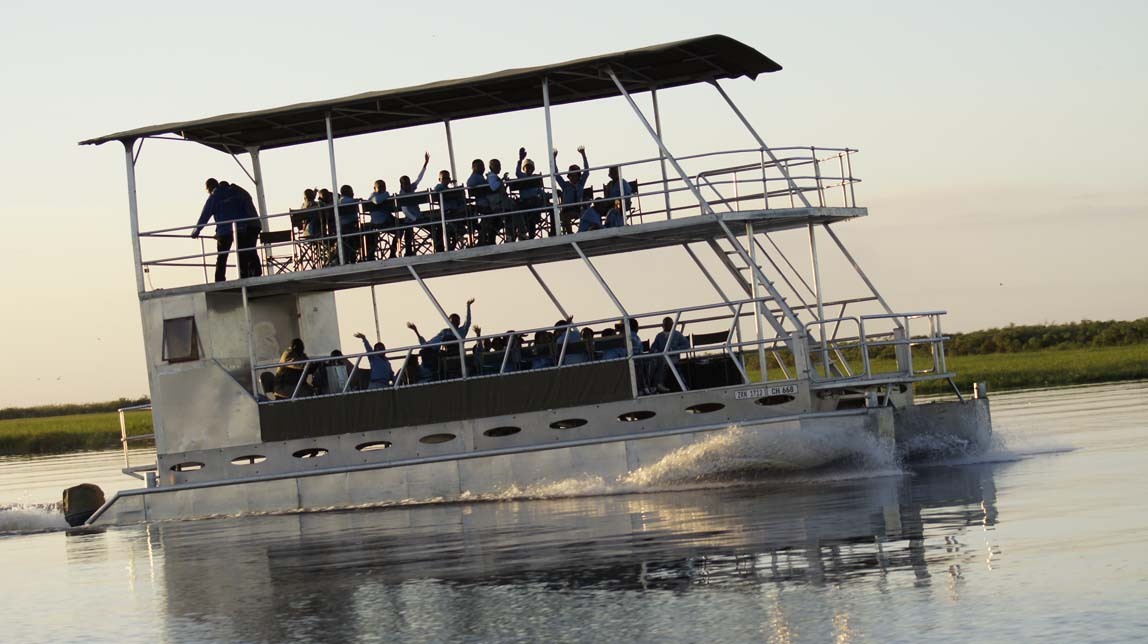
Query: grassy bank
{"x": 1055, "y": 368}
{"x": 1002, "y": 371}
{"x": 71, "y": 433}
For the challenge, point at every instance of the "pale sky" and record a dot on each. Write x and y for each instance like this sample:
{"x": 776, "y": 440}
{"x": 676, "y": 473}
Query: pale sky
{"x": 1002, "y": 147}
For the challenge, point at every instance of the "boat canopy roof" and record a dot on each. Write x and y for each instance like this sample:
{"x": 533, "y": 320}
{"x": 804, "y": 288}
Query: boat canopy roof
{"x": 668, "y": 65}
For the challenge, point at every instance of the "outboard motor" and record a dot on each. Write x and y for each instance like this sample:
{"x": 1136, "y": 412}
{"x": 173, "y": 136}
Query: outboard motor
{"x": 81, "y": 501}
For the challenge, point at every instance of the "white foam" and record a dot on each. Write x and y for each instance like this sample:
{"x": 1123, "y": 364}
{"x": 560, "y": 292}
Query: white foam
{"x": 734, "y": 456}
{"x": 23, "y": 519}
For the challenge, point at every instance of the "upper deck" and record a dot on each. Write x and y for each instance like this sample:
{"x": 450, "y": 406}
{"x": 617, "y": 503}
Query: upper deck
{"x": 669, "y": 199}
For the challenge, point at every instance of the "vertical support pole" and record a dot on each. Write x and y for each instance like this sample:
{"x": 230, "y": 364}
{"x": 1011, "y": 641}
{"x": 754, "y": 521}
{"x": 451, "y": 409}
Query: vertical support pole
{"x": 757, "y": 306}
{"x": 820, "y": 299}
{"x": 761, "y": 142}
{"x": 454, "y": 175}
{"x": 445, "y": 319}
{"x": 375, "y": 308}
{"x": 134, "y": 215}
{"x": 661, "y": 158}
{"x": 250, "y": 344}
{"x": 556, "y": 223}
{"x": 705, "y": 205}
{"x": 334, "y": 190}
{"x": 260, "y": 192}
{"x": 450, "y": 149}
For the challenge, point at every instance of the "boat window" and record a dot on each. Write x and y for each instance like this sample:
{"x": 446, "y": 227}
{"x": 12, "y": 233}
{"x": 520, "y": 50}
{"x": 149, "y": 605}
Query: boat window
{"x": 774, "y": 400}
{"x": 705, "y": 408}
{"x": 433, "y": 439}
{"x": 189, "y": 466}
{"x": 310, "y": 452}
{"x": 569, "y": 423}
{"x": 373, "y": 446}
{"x": 180, "y": 340}
{"x": 498, "y": 432}
{"x": 249, "y": 459}
{"x": 632, "y": 416}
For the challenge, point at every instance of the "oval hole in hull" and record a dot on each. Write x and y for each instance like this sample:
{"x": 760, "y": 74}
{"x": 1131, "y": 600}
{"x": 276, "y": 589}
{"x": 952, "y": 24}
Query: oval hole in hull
{"x": 373, "y": 446}
{"x": 434, "y": 439}
{"x": 634, "y": 416}
{"x": 189, "y": 466}
{"x": 499, "y": 432}
{"x": 705, "y": 408}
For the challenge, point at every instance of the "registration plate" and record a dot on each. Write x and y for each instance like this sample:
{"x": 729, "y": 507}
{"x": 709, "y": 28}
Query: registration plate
{"x": 761, "y": 392}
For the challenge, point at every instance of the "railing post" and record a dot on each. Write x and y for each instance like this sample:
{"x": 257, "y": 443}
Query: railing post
{"x": 864, "y": 348}
{"x": 817, "y": 176}
{"x": 902, "y": 351}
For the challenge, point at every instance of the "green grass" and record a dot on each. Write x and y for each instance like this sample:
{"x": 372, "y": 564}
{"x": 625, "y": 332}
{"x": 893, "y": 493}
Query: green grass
{"x": 1051, "y": 368}
{"x": 72, "y": 433}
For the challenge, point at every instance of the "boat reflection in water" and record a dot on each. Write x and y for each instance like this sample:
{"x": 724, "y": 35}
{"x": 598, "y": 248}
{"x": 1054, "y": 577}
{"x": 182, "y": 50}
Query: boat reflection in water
{"x": 465, "y": 570}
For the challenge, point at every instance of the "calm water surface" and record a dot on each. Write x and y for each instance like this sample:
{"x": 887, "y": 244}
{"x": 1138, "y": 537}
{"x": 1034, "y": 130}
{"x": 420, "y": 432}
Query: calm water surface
{"x": 1045, "y": 537}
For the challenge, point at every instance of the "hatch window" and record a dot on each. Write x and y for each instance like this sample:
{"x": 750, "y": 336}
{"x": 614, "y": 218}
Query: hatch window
{"x": 180, "y": 340}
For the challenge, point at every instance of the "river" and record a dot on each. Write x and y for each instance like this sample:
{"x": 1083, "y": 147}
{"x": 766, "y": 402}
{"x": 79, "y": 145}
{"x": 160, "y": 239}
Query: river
{"x": 1043, "y": 537}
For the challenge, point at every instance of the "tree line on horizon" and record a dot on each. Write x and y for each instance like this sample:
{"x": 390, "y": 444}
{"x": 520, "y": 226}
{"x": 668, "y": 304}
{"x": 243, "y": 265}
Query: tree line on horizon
{"x": 1039, "y": 337}
{"x": 1009, "y": 339}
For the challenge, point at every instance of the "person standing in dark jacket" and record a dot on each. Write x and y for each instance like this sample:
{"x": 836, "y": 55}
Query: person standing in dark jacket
{"x": 225, "y": 205}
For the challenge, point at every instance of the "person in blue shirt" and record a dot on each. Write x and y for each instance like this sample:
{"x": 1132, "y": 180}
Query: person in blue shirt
{"x": 478, "y": 189}
{"x": 380, "y": 207}
{"x": 227, "y": 204}
{"x": 616, "y": 216}
{"x": 382, "y": 374}
{"x": 412, "y": 215}
{"x": 349, "y": 223}
{"x": 668, "y": 340}
{"x": 496, "y": 202}
{"x": 452, "y": 200}
{"x": 565, "y": 333}
{"x": 432, "y": 347}
{"x": 531, "y": 200}
{"x": 573, "y": 188}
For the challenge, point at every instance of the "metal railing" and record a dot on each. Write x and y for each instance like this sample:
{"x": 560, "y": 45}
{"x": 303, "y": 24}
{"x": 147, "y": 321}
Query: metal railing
{"x": 831, "y": 352}
{"x": 749, "y": 179}
{"x": 722, "y": 319}
{"x": 129, "y": 469}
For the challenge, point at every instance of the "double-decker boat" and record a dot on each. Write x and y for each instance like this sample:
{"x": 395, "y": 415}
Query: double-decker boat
{"x": 765, "y": 361}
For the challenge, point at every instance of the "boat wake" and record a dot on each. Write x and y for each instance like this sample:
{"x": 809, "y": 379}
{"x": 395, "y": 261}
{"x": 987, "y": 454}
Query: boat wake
{"x": 1007, "y": 446}
{"x": 31, "y": 518}
{"x": 733, "y": 457}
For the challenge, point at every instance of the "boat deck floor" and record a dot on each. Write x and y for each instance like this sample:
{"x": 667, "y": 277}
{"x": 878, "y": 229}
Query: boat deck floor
{"x": 609, "y": 241}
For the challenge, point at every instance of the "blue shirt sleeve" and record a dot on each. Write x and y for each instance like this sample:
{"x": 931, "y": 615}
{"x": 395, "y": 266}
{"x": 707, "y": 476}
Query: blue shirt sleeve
{"x": 208, "y": 207}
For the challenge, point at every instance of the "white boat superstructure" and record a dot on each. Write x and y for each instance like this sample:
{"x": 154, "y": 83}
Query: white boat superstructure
{"x": 238, "y": 429}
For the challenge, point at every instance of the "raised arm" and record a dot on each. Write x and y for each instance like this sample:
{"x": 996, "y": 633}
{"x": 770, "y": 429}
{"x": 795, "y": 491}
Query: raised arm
{"x": 422, "y": 171}
{"x": 412, "y": 327}
{"x": 466, "y": 325}
{"x": 518, "y": 168}
{"x": 585, "y": 164}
